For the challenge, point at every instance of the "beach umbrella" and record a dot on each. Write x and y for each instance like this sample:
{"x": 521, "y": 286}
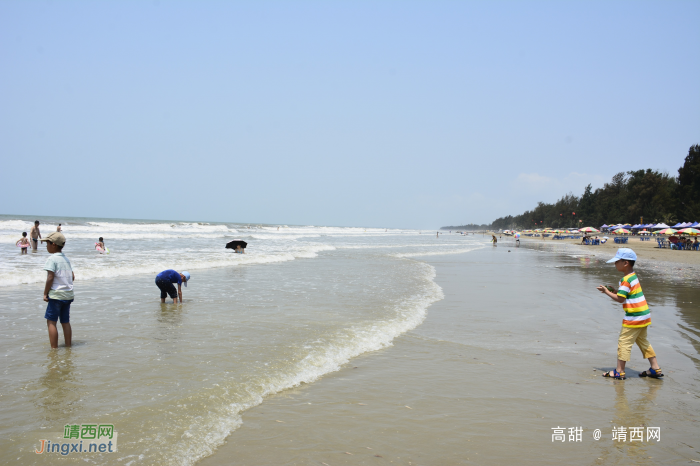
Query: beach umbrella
{"x": 689, "y": 231}
{"x": 236, "y": 242}
{"x": 621, "y": 231}
{"x": 517, "y": 235}
{"x": 589, "y": 230}
{"x": 667, "y": 231}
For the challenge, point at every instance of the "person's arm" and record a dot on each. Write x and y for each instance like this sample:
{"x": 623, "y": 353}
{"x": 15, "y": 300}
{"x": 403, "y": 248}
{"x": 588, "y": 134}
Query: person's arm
{"x": 179, "y": 291}
{"x": 613, "y": 296}
{"x": 47, "y": 287}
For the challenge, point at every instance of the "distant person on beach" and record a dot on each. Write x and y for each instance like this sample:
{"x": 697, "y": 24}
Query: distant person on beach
{"x": 239, "y": 249}
{"x": 23, "y": 243}
{"x": 637, "y": 317}
{"x": 58, "y": 228}
{"x": 100, "y": 244}
{"x": 35, "y": 234}
{"x": 165, "y": 282}
{"x": 494, "y": 240}
{"x": 58, "y": 291}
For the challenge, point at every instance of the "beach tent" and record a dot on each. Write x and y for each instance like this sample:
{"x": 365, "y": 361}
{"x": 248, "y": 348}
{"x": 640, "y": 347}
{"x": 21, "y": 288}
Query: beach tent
{"x": 604, "y": 226}
{"x": 661, "y": 225}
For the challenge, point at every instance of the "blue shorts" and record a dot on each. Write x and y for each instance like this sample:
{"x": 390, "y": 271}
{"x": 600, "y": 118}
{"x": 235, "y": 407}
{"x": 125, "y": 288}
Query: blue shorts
{"x": 166, "y": 288}
{"x": 58, "y": 308}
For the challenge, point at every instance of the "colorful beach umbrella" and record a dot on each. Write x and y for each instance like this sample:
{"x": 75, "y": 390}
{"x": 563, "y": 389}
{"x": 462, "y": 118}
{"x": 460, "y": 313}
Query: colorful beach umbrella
{"x": 621, "y": 231}
{"x": 689, "y": 231}
{"x": 589, "y": 230}
{"x": 667, "y": 231}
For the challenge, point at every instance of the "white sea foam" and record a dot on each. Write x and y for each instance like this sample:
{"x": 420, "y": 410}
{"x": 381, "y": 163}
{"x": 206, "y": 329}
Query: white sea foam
{"x": 326, "y": 356}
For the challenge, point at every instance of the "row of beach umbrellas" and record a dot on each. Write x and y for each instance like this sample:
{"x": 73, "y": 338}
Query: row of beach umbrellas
{"x": 617, "y": 231}
{"x": 652, "y": 226}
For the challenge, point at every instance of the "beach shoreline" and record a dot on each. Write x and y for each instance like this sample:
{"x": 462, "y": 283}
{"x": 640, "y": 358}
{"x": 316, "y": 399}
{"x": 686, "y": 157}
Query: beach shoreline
{"x": 480, "y": 389}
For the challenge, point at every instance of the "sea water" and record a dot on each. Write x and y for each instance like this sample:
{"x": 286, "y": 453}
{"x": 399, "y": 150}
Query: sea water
{"x": 174, "y": 379}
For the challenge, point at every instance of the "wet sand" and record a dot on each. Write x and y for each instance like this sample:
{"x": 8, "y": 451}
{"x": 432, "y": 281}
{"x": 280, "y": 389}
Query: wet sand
{"x": 496, "y": 365}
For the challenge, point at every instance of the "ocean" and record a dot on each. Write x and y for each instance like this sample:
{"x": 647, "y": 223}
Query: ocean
{"x": 174, "y": 379}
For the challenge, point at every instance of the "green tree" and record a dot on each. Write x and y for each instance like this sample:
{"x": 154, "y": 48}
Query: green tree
{"x": 688, "y": 192}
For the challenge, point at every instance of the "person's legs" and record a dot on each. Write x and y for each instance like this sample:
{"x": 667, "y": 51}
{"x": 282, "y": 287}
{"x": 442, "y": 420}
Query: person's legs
{"x": 67, "y": 333}
{"x": 53, "y": 311}
{"x": 53, "y": 333}
{"x": 172, "y": 292}
{"x": 166, "y": 288}
{"x": 624, "y": 349}
{"x": 65, "y": 322}
{"x": 647, "y": 352}
{"x": 161, "y": 286}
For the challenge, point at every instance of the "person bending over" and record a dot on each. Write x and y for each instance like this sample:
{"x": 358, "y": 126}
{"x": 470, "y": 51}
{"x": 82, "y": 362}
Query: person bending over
{"x": 166, "y": 280}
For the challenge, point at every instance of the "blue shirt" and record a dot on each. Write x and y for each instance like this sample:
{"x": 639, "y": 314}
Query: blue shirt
{"x": 170, "y": 276}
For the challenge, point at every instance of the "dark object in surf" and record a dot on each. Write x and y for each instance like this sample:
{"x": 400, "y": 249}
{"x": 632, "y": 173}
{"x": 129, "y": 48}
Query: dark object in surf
{"x": 235, "y": 243}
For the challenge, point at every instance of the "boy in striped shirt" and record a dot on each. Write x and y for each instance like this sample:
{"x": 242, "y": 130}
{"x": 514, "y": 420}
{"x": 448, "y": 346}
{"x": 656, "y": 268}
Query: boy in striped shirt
{"x": 637, "y": 317}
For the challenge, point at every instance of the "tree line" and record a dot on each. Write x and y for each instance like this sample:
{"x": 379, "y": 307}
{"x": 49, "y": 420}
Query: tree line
{"x": 637, "y": 196}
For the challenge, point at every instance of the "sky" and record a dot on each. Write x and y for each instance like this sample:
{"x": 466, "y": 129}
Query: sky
{"x": 399, "y": 114}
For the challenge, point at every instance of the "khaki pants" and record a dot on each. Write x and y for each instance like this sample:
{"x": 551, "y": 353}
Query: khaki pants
{"x": 629, "y": 336}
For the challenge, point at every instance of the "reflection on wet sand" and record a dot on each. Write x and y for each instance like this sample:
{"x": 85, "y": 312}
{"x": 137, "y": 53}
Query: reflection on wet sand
{"x": 58, "y": 391}
{"x": 632, "y": 413}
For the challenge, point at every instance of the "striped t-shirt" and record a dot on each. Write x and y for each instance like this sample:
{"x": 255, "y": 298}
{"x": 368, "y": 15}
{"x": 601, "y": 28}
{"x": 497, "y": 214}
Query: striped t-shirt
{"x": 62, "y": 287}
{"x": 637, "y": 313}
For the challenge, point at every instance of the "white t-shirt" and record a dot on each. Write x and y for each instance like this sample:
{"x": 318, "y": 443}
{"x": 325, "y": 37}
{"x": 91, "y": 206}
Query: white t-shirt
{"x": 62, "y": 287}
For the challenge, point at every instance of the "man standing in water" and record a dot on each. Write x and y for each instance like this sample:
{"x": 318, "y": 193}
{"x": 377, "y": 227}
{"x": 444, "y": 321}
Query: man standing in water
{"x": 35, "y": 234}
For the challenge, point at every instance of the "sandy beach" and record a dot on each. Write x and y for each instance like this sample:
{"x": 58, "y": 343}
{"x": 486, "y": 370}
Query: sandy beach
{"x": 646, "y": 250}
{"x": 491, "y": 372}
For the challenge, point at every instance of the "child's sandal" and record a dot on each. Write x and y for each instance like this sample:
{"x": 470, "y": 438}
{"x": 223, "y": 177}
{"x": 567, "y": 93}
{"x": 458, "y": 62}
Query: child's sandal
{"x": 615, "y": 375}
{"x": 654, "y": 374}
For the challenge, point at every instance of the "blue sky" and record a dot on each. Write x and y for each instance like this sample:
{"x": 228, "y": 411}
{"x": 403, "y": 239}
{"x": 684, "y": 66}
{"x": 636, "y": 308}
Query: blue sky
{"x": 387, "y": 114}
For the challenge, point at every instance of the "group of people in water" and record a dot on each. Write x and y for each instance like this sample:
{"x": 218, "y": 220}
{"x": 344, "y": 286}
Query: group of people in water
{"x": 56, "y": 287}
{"x": 25, "y": 243}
